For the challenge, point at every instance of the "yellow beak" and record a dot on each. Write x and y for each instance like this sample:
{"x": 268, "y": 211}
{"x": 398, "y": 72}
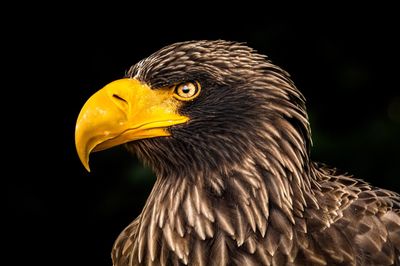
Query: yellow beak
{"x": 124, "y": 110}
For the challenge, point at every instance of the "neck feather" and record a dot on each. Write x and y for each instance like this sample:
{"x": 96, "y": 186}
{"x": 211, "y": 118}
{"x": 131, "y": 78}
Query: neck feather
{"x": 240, "y": 203}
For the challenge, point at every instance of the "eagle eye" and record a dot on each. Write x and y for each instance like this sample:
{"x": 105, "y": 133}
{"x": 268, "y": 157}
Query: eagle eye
{"x": 187, "y": 91}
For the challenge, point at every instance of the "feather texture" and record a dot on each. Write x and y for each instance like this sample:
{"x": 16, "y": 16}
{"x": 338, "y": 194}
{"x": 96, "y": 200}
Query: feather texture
{"x": 235, "y": 184}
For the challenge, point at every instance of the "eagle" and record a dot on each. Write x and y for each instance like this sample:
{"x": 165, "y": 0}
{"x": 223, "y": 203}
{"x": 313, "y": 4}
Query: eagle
{"x": 227, "y": 135}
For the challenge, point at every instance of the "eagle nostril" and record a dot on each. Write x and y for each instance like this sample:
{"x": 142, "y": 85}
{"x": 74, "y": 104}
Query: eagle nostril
{"x": 116, "y": 96}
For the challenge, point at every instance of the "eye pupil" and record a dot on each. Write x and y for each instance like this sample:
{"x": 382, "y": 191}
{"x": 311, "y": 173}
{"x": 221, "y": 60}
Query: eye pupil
{"x": 185, "y": 89}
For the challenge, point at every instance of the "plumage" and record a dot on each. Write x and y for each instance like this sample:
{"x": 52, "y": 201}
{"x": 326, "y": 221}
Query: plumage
{"x": 235, "y": 183}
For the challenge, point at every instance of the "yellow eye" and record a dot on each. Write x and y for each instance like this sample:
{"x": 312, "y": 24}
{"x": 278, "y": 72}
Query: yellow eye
{"x": 187, "y": 91}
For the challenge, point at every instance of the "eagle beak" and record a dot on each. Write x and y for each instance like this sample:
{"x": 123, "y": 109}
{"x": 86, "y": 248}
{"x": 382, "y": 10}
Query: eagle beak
{"x": 124, "y": 110}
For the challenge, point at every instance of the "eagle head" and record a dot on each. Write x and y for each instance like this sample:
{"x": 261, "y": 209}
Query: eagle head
{"x": 196, "y": 106}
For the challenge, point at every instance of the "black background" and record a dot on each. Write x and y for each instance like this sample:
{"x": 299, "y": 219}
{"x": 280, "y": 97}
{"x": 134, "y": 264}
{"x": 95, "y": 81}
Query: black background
{"x": 345, "y": 62}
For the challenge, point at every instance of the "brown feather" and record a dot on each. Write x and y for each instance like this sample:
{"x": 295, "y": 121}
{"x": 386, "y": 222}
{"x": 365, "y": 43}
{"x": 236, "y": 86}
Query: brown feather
{"x": 235, "y": 183}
